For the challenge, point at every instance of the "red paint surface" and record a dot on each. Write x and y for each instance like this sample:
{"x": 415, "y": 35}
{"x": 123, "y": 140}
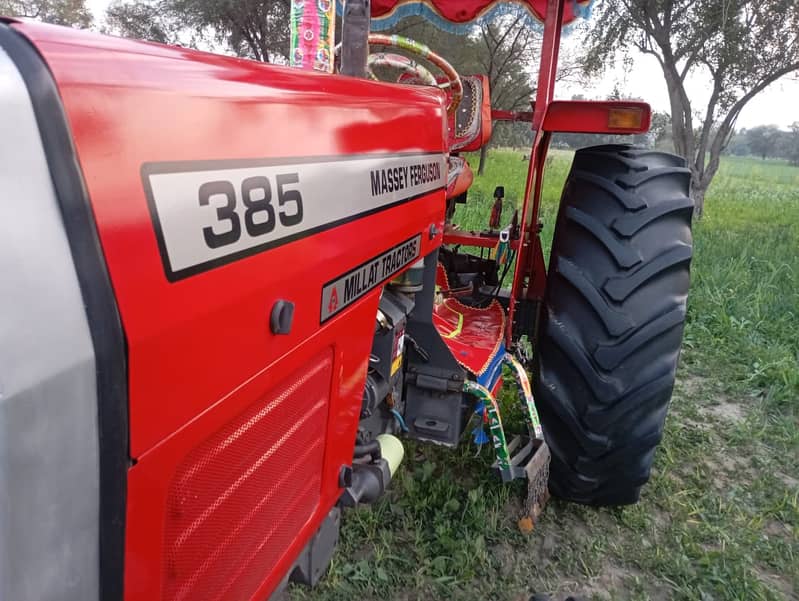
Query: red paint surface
{"x": 468, "y": 238}
{"x": 527, "y": 283}
{"x": 592, "y": 116}
{"x": 200, "y": 350}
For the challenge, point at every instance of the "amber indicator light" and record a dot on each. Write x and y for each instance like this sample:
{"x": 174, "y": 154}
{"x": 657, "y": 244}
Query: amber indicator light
{"x": 625, "y": 118}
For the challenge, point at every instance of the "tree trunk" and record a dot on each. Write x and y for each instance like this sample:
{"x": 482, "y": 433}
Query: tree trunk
{"x": 483, "y": 159}
{"x": 682, "y": 128}
{"x": 698, "y": 196}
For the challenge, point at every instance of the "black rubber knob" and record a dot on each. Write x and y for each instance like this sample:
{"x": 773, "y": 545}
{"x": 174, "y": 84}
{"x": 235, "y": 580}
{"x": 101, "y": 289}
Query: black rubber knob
{"x": 281, "y": 317}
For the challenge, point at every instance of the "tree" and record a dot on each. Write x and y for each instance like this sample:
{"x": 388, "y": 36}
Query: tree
{"x": 140, "y": 20}
{"x": 792, "y": 144}
{"x": 762, "y": 140}
{"x": 257, "y": 29}
{"x": 509, "y": 47}
{"x": 660, "y": 131}
{"x": 738, "y": 145}
{"x": 740, "y": 46}
{"x": 503, "y": 49}
{"x": 512, "y": 134}
{"x": 72, "y": 13}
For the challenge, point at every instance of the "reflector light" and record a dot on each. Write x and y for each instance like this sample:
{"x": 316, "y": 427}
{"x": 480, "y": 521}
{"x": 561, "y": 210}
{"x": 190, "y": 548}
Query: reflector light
{"x": 625, "y": 118}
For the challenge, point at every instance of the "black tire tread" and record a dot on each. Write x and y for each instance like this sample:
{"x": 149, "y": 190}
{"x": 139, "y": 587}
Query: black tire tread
{"x": 636, "y": 178}
{"x": 629, "y": 201}
{"x": 620, "y": 287}
{"x": 612, "y": 320}
{"x": 616, "y": 323}
{"x": 629, "y": 225}
{"x": 610, "y": 355}
{"x": 623, "y": 255}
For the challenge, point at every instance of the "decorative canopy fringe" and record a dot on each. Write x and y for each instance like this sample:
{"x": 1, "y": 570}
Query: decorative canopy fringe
{"x": 428, "y": 10}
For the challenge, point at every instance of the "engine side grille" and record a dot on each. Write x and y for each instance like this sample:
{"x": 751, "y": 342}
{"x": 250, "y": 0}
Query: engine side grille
{"x": 239, "y": 499}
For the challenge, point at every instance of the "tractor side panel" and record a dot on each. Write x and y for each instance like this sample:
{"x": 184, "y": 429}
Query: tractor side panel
{"x": 237, "y": 434}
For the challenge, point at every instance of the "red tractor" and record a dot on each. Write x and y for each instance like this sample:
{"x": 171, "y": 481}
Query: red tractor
{"x": 231, "y": 289}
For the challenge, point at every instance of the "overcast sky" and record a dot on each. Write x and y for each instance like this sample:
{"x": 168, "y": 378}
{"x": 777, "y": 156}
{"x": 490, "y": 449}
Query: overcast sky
{"x": 778, "y": 104}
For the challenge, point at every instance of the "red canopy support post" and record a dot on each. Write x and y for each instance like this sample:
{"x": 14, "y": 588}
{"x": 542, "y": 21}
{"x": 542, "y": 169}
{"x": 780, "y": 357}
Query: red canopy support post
{"x": 529, "y": 276}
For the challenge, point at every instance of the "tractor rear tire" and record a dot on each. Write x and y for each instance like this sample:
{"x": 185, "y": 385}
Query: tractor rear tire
{"x": 612, "y": 320}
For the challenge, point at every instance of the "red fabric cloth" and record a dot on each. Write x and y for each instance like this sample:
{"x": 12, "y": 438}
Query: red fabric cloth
{"x": 462, "y": 11}
{"x": 472, "y": 335}
{"x": 459, "y": 177}
{"x": 442, "y": 281}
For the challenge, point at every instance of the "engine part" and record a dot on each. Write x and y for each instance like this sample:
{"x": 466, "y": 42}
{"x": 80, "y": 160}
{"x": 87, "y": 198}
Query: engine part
{"x": 375, "y": 391}
{"x": 435, "y": 410}
{"x": 464, "y": 269}
{"x": 371, "y": 448}
{"x": 411, "y": 280}
{"x": 392, "y": 451}
{"x": 365, "y": 482}
{"x": 382, "y": 394}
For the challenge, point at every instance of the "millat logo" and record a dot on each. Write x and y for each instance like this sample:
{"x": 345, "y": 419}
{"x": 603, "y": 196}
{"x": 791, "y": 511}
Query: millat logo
{"x": 333, "y": 304}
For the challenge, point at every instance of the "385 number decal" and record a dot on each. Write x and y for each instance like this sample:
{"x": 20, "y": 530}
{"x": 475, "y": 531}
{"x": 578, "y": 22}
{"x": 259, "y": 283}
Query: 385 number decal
{"x": 260, "y": 216}
{"x": 209, "y": 213}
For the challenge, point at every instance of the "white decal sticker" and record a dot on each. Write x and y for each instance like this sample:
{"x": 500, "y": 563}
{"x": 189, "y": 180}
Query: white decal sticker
{"x": 348, "y": 288}
{"x": 208, "y": 213}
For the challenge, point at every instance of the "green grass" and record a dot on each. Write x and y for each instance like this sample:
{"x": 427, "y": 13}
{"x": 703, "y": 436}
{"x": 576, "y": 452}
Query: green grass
{"x": 720, "y": 517}
{"x": 509, "y": 169}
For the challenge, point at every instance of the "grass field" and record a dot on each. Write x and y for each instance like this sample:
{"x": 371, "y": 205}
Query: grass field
{"x": 719, "y": 519}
